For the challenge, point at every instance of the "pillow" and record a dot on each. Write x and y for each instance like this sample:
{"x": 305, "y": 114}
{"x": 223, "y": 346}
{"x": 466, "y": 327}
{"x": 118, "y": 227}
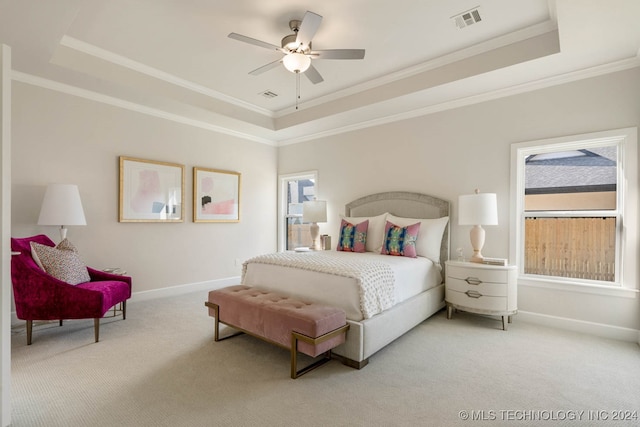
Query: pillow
{"x": 431, "y": 231}
{"x": 400, "y": 241}
{"x": 375, "y": 232}
{"x": 352, "y": 238}
{"x": 61, "y": 262}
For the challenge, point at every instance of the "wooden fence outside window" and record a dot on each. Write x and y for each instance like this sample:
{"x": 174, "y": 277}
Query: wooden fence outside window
{"x": 581, "y": 248}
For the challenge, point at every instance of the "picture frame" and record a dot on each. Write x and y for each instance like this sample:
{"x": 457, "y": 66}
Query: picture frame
{"x": 150, "y": 191}
{"x": 216, "y": 195}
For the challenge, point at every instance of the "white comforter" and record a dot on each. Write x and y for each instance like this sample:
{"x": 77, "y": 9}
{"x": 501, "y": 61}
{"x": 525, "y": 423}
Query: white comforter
{"x": 363, "y": 284}
{"x": 375, "y": 279}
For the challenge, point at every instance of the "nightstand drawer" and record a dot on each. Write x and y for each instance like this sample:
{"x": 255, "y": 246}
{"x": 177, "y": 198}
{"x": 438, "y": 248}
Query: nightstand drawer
{"x": 475, "y": 300}
{"x": 477, "y": 274}
{"x": 473, "y": 284}
{"x": 483, "y": 289}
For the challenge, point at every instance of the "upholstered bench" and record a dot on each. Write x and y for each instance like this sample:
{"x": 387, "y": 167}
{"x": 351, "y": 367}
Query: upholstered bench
{"x": 309, "y": 328}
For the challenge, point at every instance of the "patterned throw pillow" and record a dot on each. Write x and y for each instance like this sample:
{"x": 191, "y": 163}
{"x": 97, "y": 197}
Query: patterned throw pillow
{"x": 400, "y": 241}
{"x": 61, "y": 262}
{"x": 352, "y": 238}
{"x": 431, "y": 231}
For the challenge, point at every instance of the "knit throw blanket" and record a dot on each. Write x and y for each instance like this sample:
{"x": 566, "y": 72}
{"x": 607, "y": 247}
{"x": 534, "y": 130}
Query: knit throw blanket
{"x": 375, "y": 279}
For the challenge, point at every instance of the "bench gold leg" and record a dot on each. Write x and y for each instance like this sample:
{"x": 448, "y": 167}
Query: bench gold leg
{"x": 326, "y": 356}
{"x": 216, "y": 323}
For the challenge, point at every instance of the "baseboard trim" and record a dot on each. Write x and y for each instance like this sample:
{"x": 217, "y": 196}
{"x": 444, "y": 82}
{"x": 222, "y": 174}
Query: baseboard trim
{"x": 209, "y": 285}
{"x": 591, "y": 328}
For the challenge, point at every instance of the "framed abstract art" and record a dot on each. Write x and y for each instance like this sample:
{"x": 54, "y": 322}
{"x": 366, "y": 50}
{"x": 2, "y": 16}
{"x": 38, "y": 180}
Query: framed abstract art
{"x": 150, "y": 191}
{"x": 216, "y": 195}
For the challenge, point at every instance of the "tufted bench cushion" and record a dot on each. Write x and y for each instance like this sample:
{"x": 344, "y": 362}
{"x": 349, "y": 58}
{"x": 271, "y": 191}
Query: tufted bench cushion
{"x": 276, "y": 318}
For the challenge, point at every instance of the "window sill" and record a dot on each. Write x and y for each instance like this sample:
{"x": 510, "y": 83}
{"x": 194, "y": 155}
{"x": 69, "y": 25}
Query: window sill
{"x": 585, "y": 288}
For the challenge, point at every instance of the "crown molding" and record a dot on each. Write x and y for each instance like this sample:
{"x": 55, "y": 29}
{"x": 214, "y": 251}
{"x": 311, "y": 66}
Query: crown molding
{"x": 477, "y": 49}
{"x": 443, "y": 106}
{"x": 128, "y": 105}
{"x": 122, "y": 61}
{"x": 599, "y": 70}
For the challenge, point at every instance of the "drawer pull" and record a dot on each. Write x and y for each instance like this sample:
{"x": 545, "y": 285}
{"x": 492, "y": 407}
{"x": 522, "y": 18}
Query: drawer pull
{"x": 473, "y": 294}
{"x": 473, "y": 280}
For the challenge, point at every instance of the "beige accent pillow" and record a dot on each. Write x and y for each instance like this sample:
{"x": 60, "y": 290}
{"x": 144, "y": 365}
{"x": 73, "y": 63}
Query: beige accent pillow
{"x": 375, "y": 232}
{"x": 61, "y": 262}
{"x": 429, "y": 237}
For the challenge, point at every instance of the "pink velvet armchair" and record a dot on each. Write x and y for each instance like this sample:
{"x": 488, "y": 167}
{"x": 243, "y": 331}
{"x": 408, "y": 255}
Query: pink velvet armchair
{"x": 40, "y": 296}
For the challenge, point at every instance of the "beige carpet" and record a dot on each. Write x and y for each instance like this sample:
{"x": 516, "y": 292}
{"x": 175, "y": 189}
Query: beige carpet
{"x": 160, "y": 367}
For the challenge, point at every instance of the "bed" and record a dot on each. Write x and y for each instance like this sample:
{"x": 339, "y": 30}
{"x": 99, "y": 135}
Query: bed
{"x": 377, "y": 314}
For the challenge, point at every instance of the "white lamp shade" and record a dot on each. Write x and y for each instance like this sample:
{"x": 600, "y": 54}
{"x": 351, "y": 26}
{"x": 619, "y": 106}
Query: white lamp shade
{"x": 296, "y": 62}
{"x": 314, "y": 211}
{"x": 62, "y": 206}
{"x": 478, "y": 209}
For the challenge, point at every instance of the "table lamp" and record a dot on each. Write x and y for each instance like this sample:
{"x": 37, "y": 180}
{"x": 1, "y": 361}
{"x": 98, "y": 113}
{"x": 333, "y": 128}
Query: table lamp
{"x": 314, "y": 212}
{"x": 477, "y": 209}
{"x": 62, "y": 206}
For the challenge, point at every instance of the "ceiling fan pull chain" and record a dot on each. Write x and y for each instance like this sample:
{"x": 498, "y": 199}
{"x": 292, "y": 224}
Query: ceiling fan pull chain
{"x": 297, "y": 88}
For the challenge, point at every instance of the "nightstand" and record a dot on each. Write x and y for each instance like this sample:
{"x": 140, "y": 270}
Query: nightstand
{"x": 482, "y": 289}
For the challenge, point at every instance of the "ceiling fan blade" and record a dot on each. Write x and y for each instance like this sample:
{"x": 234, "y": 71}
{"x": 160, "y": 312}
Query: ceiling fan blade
{"x": 267, "y": 67}
{"x": 313, "y": 75}
{"x": 310, "y": 23}
{"x": 255, "y": 42}
{"x": 338, "y": 54}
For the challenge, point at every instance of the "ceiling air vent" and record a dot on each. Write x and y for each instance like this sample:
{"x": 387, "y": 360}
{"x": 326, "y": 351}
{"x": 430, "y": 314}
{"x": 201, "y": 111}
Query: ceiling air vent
{"x": 467, "y": 18}
{"x": 268, "y": 94}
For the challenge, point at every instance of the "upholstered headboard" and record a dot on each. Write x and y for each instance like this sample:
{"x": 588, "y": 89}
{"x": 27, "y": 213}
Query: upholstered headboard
{"x": 407, "y": 205}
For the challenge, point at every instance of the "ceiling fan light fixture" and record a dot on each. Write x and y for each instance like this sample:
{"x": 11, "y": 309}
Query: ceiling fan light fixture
{"x": 296, "y": 62}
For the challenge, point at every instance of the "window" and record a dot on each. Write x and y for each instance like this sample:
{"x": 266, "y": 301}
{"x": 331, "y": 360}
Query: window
{"x": 294, "y": 190}
{"x": 572, "y": 196}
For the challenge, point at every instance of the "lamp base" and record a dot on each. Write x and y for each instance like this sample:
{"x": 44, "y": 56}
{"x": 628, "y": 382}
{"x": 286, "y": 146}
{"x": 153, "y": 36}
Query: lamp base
{"x": 476, "y": 258}
{"x": 477, "y": 242}
{"x": 315, "y": 234}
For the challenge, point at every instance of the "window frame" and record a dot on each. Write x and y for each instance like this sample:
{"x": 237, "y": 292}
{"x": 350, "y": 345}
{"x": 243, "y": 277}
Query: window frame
{"x": 626, "y": 211}
{"x": 282, "y": 202}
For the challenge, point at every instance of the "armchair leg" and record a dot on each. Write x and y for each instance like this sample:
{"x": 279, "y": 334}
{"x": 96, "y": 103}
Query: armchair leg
{"x": 96, "y": 327}
{"x": 124, "y": 309}
{"x": 29, "y": 331}
{"x": 60, "y": 322}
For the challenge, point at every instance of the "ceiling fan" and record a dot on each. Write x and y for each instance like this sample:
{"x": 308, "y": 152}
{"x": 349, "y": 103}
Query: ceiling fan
{"x": 297, "y": 49}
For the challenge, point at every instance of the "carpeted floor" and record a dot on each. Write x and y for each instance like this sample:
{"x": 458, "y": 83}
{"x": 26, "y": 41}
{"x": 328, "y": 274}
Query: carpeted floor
{"x": 160, "y": 367}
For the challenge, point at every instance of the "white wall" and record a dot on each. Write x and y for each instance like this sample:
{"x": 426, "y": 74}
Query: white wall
{"x": 452, "y": 152}
{"x": 59, "y": 138}
{"x": 5, "y": 218}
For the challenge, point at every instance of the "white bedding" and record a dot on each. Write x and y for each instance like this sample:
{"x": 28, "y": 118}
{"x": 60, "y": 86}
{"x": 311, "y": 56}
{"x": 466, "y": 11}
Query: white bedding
{"x": 411, "y": 277}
